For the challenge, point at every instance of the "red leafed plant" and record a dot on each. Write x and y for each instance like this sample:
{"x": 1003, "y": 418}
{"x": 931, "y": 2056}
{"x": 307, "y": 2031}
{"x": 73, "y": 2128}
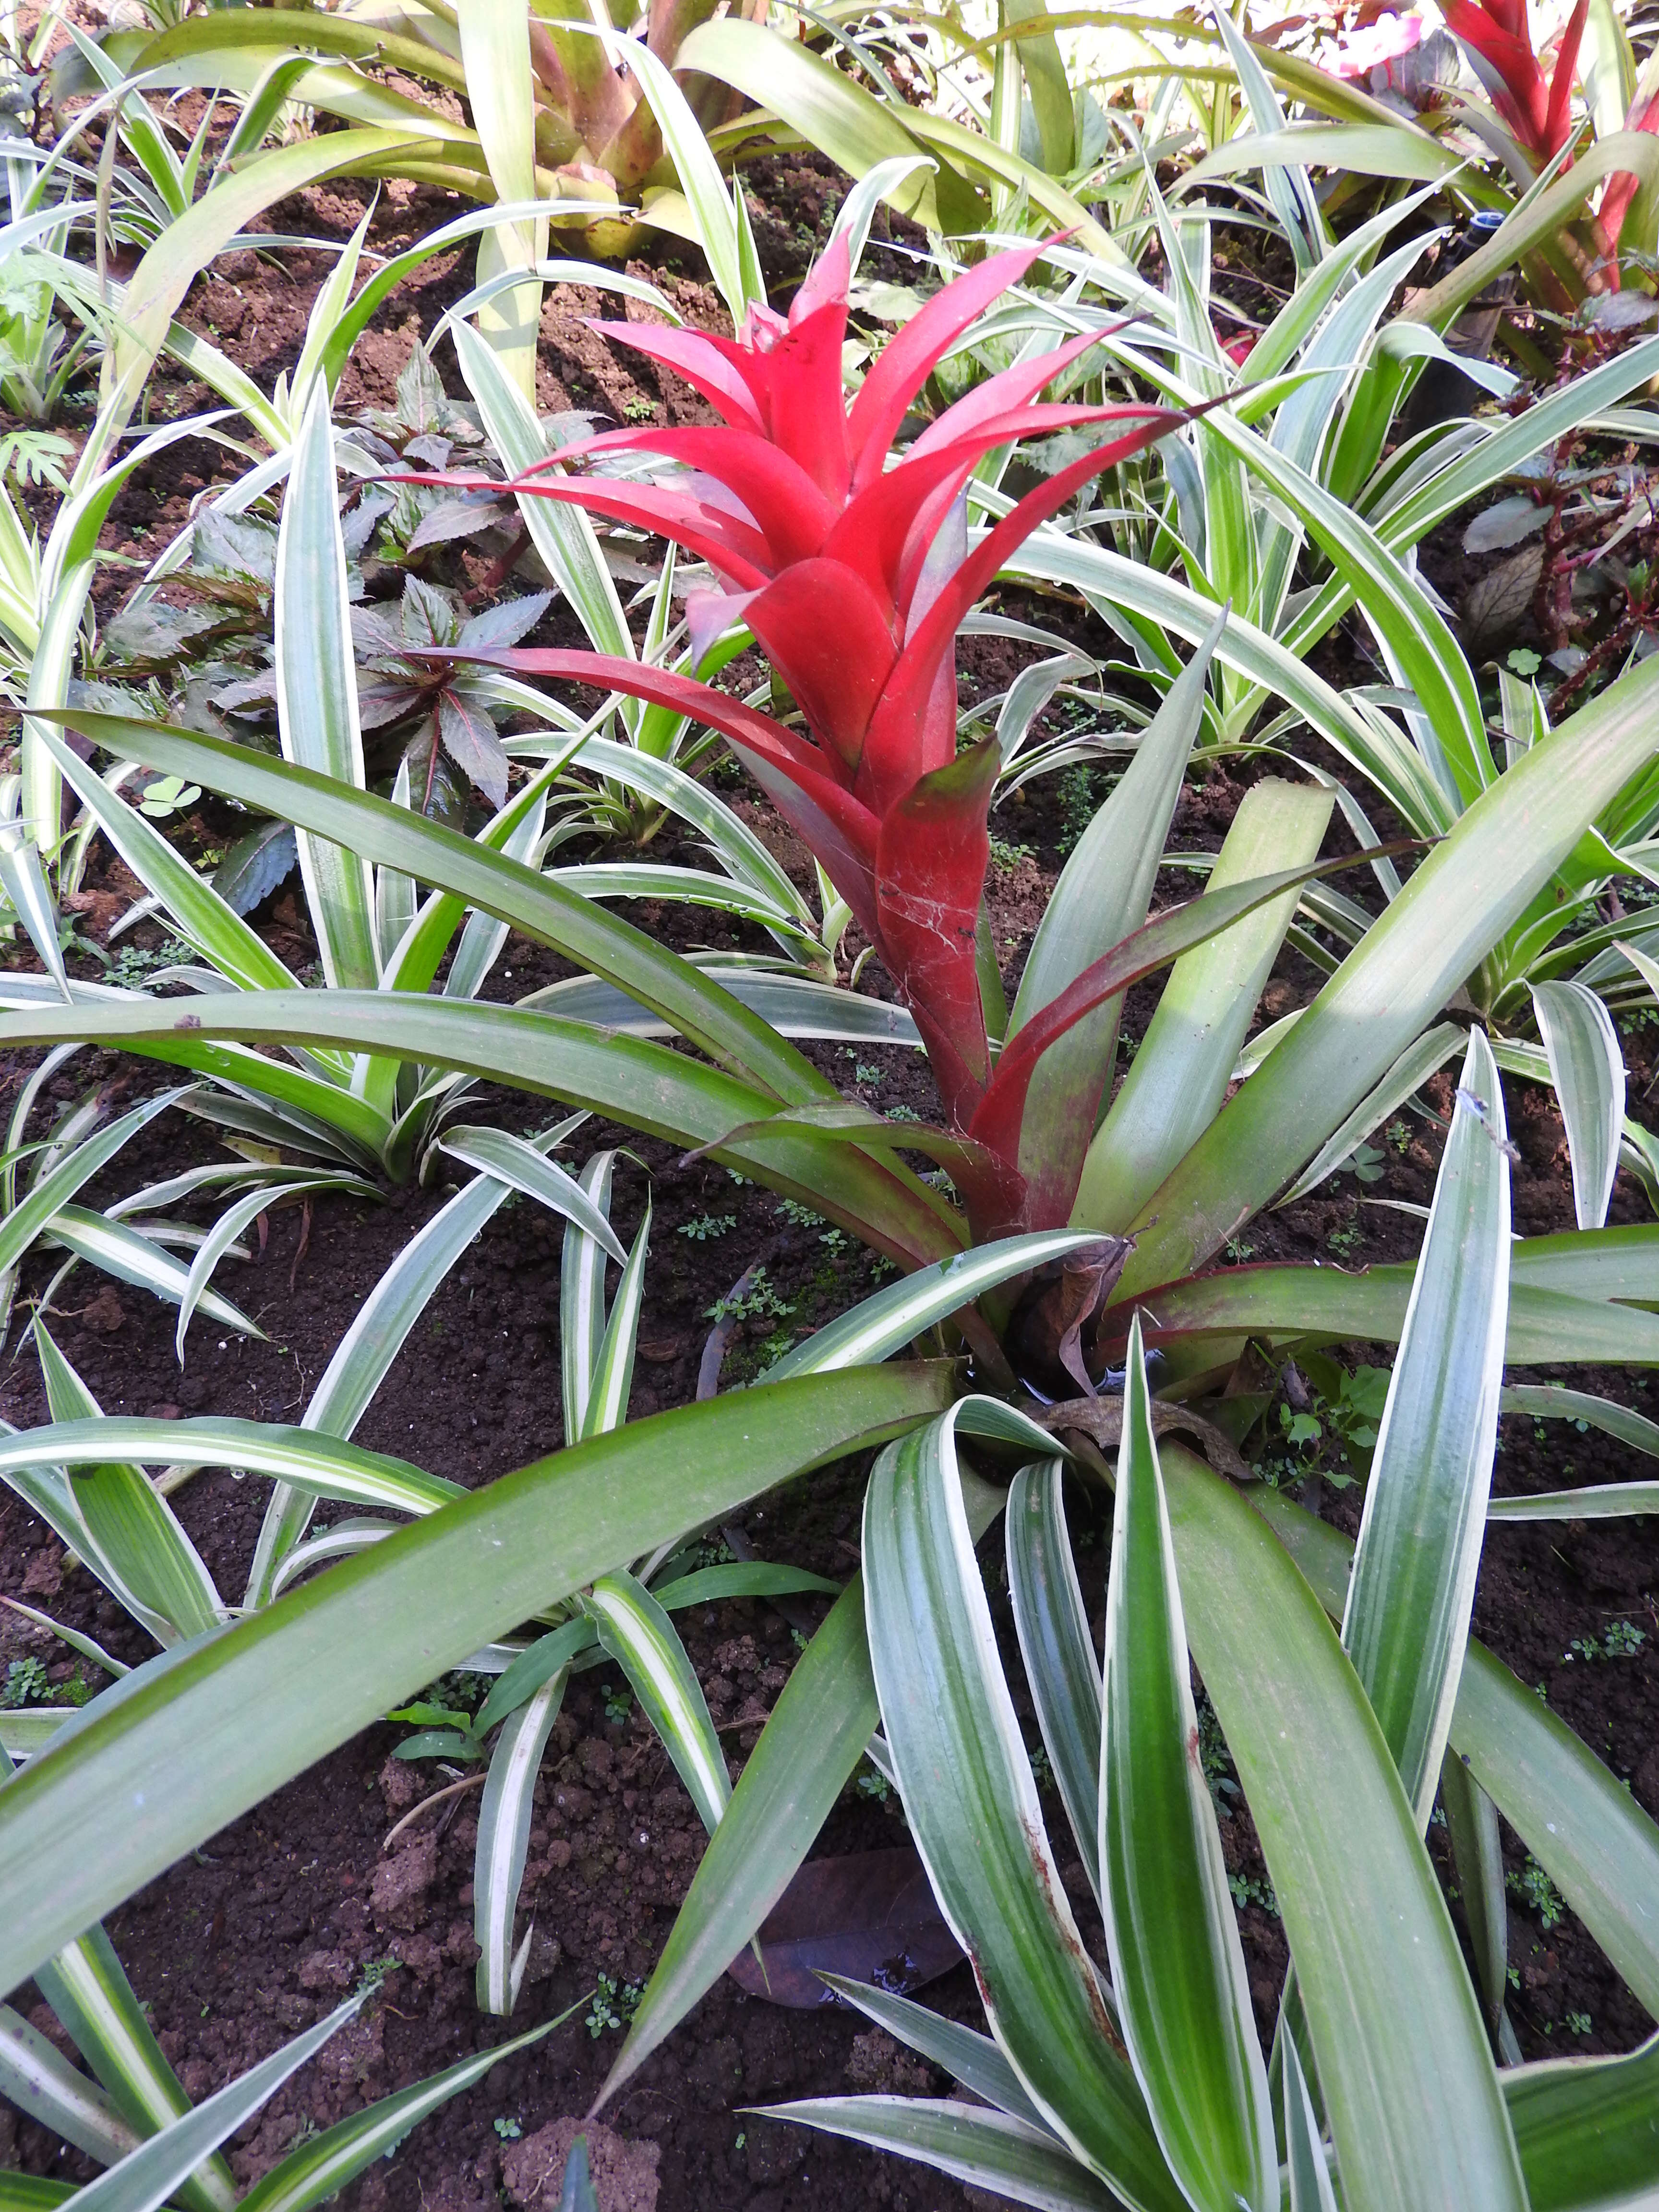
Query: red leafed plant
{"x": 854, "y": 577}
{"x": 1536, "y": 108}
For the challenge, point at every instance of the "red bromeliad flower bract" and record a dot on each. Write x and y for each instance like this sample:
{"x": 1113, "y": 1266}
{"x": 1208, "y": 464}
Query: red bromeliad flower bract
{"x": 854, "y": 578}
{"x": 1537, "y": 109}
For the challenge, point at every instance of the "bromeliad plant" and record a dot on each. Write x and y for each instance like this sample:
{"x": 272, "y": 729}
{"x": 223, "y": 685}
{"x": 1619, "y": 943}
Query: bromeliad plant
{"x": 854, "y": 577}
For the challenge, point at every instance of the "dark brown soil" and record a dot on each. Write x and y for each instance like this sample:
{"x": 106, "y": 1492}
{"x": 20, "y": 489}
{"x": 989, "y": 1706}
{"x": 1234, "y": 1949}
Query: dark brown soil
{"x": 259, "y": 1932}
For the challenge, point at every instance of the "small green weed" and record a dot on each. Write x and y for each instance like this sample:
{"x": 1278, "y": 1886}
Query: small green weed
{"x": 1249, "y": 1889}
{"x": 1346, "y": 1240}
{"x": 508, "y": 2131}
{"x": 760, "y": 1301}
{"x": 618, "y": 1703}
{"x": 1623, "y": 1640}
{"x": 27, "y": 1683}
{"x": 705, "y": 1227}
{"x": 1535, "y": 1889}
{"x": 1006, "y": 857}
{"x": 613, "y": 2005}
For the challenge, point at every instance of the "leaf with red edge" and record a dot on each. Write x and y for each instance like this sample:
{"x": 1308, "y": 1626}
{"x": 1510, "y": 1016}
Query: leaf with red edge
{"x": 996, "y": 1124}
{"x": 908, "y": 359}
{"x": 931, "y": 857}
{"x": 894, "y": 733}
{"x": 831, "y": 639}
{"x": 1009, "y": 390}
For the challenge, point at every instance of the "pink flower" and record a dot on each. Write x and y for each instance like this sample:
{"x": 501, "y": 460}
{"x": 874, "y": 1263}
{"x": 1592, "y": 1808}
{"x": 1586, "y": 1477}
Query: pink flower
{"x": 1377, "y": 44}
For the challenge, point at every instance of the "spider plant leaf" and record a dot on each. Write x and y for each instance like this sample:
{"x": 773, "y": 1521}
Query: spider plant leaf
{"x": 535, "y": 1666}
{"x": 504, "y": 1840}
{"x": 1406, "y": 1621}
{"x": 1184, "y": 1998}
{"x": 971, "y": 1804}
{"x": 699, "y": 174}
{"x": 132, "y": 1525}
{"x": 363, "y": 1357}
{"x": 236, "y": 1216}
{"x": 147, "y": 2177}
{"x": 806, "y": 1754}
{"x": 1325, "y": 1303}
{"x": 343, "y": 1649}
{"x": 39, "y": 2080}
{"x": 1407, "y": 2083}
{"x": 842, "y": 120}
{"x": 888, "y": 1320}
{"x": 1592, "y": 1838}
{"x": 1419, "y": 1060}
{"x": 1057, "y": 1649}
{"x": 1600, "y": 1501}
{"x": 1548, "y": 1401}
{"x": 1477, "y": 1856}
{"x": 316, "y": 695}
{"x": 563, "y": 535}
{"x": 319, "y": 2168}
{"x": 642, "y": 1640}
{"x": 1503, "y": 849}
{"x": 1179, "y": 1073}
{"x": 581, "y": 1301}
{"x": 1004, "y": 2156}
{"x": 643, "y": 1085}
{"x": 324, "y": 1465}
{"x": 1307, "y": 2174}
{"x": 575, "y": 928}
{"x": 740, "y": 1578}
{"x": 24, "y": 885}
{"x": 130, "y": 1257}
{"x": 1105, "y": 893}
{"x": 745, "y": 857}
{"x": 24, "y": 1223}
{"x": 497, "y": 1153}
{"x": 972, "y": 2059}
{"x": 1587, "y": 1066}
{"x": 1585, "y": 2130}
{"x": 494, "y": 38}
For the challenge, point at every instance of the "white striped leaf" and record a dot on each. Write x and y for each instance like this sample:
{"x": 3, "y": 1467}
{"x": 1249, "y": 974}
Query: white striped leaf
{"x": 1477, "y": 1856}
{"x": 25, "y": 1221}
{"x": 322, "y": 2167}
{"x": 132, "y": 1257}
{"x": 39, "y": 2080}
{"x": 157, "y": 1571}
{"x": 1415, "y": 1064}
{"x": 504, "y": 1840}
{"x": 342, "y": 1648}
{"x": 494, "y": 37}
{"x": 1587, "y": 1066}
{"x": 971, "y": 1803}
{"x": 147, "y": 2177}
{"x": 972, "y": 2058}
{"x": 887, "y": 1321}
{"x": 806, "y": 1753}
{"x": 1404, "y": 2071}
{"x": 563, "y": 535}
{"x": 1006, "y": 2158}
{"x": 365, "y": 1352}
{"x": 613, "y": 1363}
{"x": 317, "y": 693}
{"x": 226, "y": 1230}
{"x": 325, "y": 1466}
{"x": 581, "y": 1300}
{"x": 1406, "y": 1620}
{"x": 639, "y": 1635}
{"x": 1057, "y": 1648}
{"x": 1307, "y": 2171}
{"x": 1184, "y": 1997}
{"x": 521, "y": 1167}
